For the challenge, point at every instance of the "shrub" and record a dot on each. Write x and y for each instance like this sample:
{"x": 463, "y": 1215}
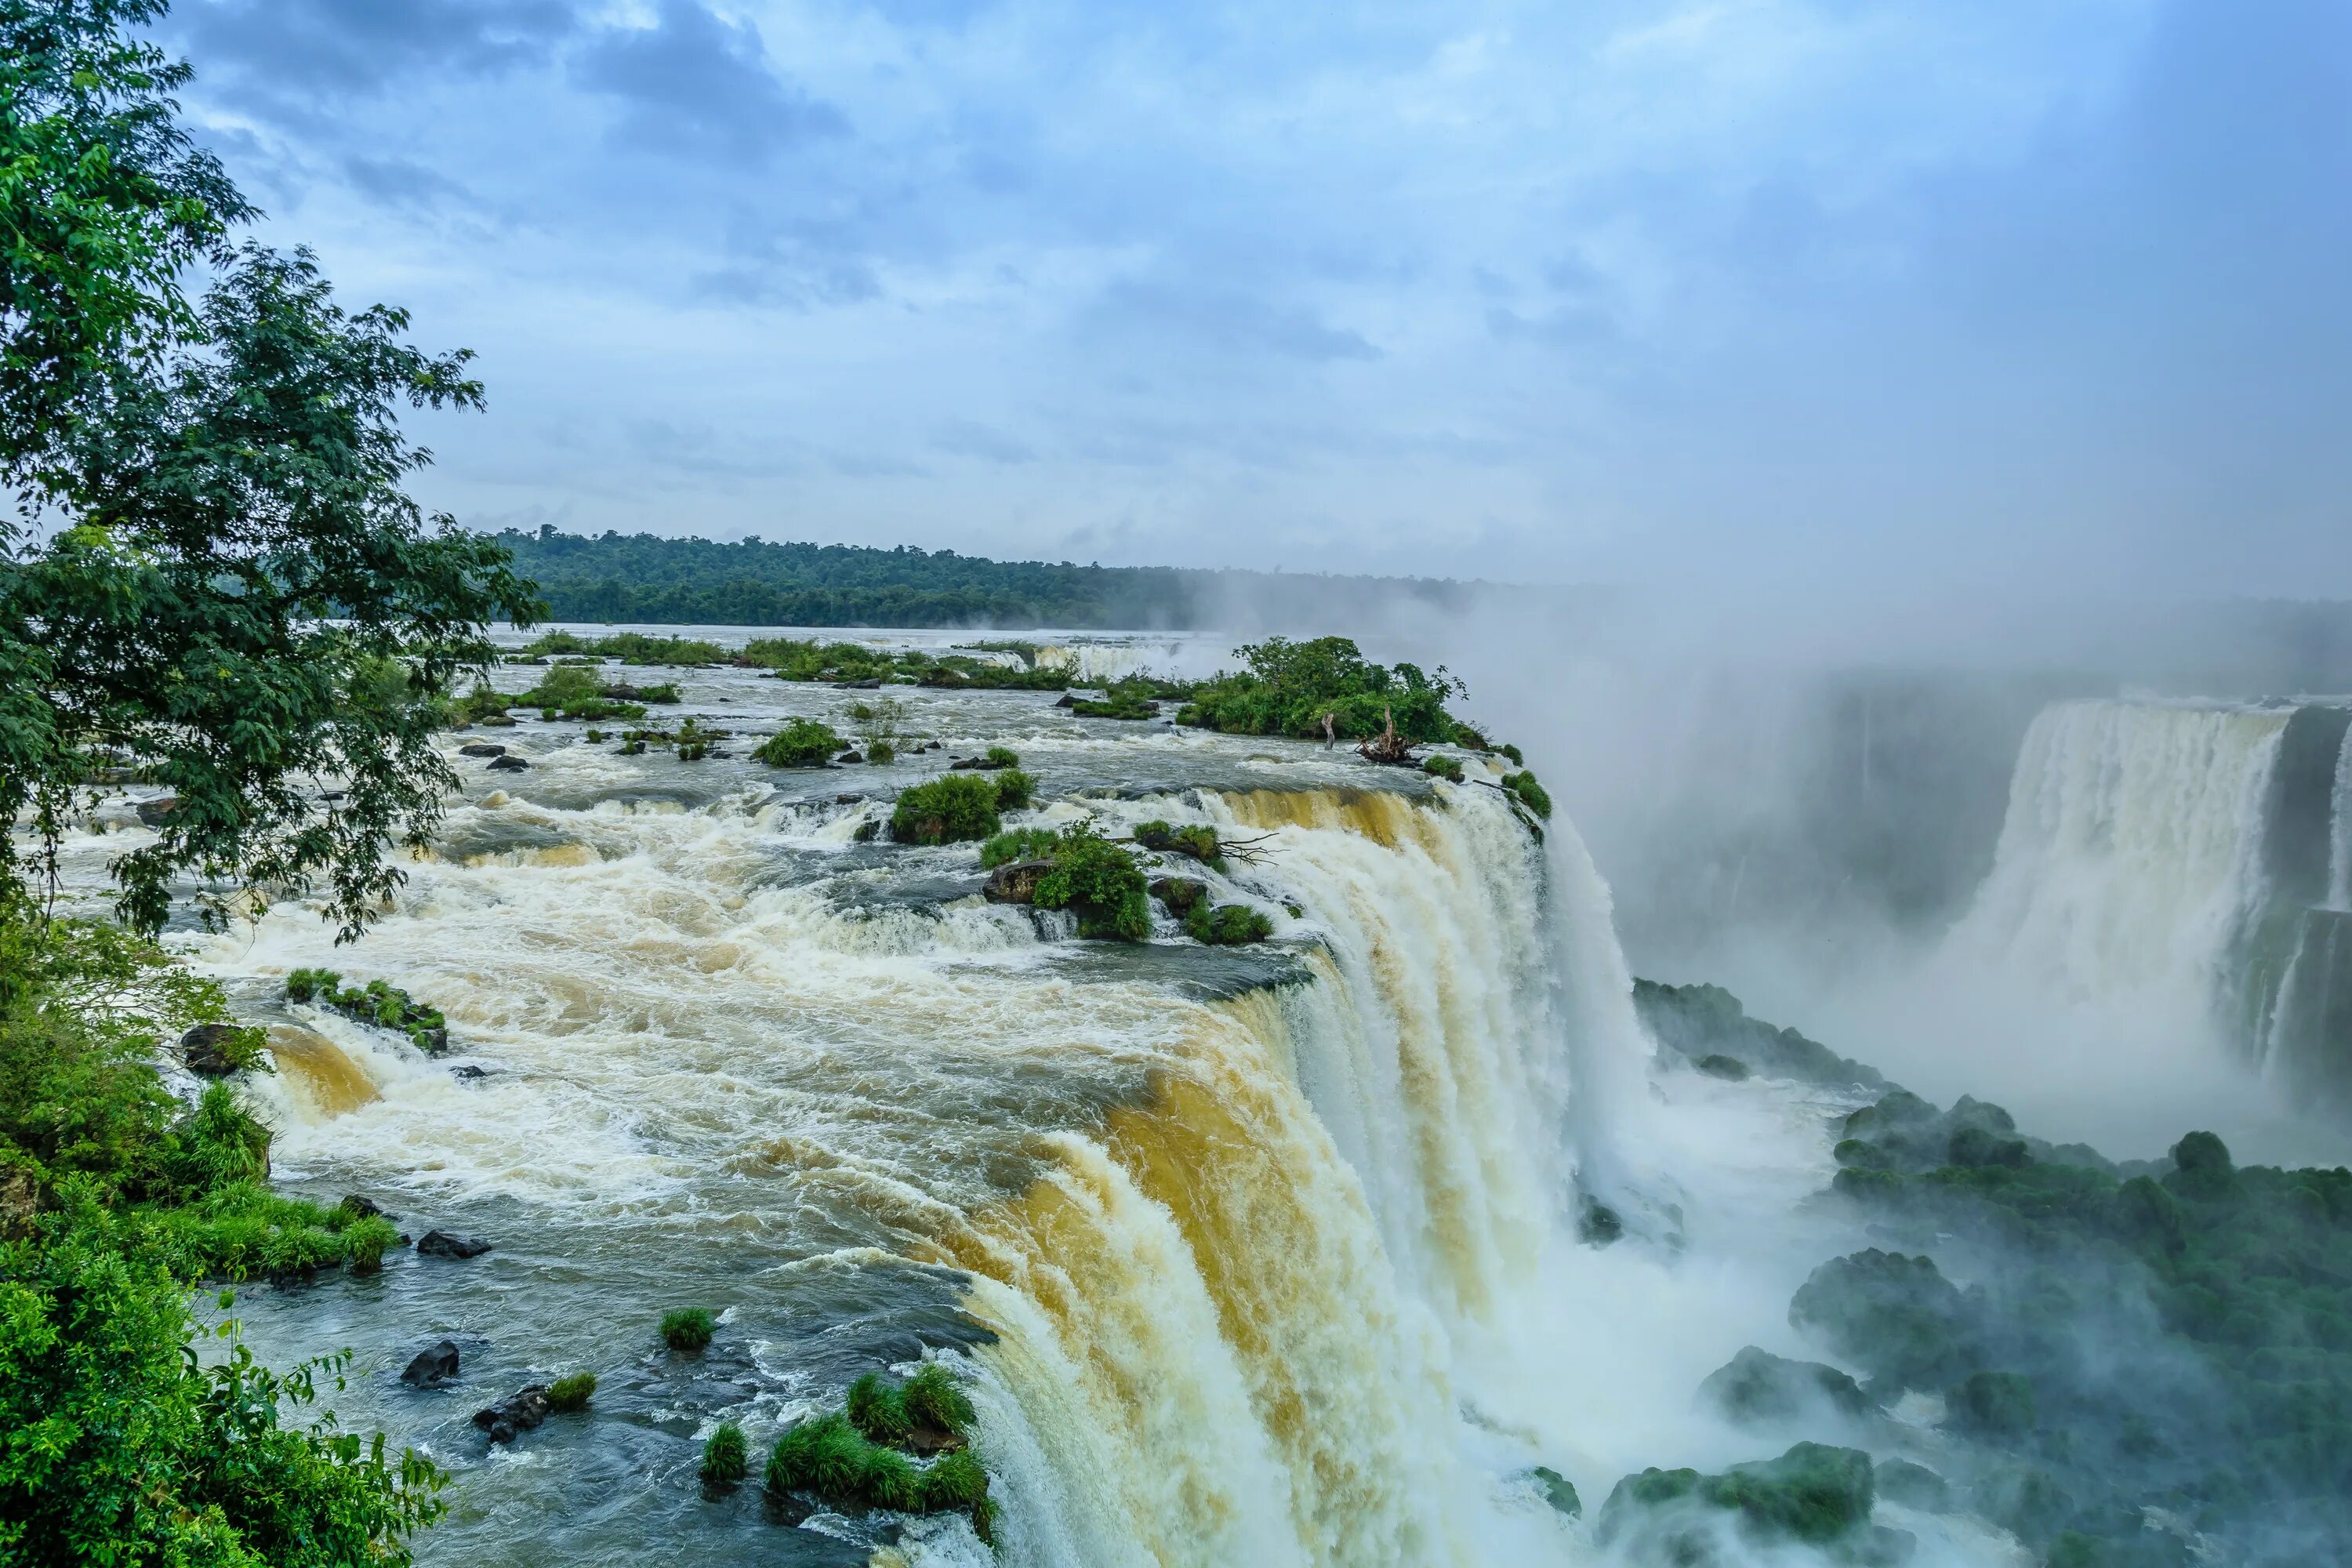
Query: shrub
{"x": 1000, "y": 757}
{"x": 932, "y": 1399}
{"x": 688, "y": 1330}
{"x": 302, "y": 985}
{"x": 878, "y": 1409}
{"x": 1513, "y": 753}
{"x": 1530, "y": 793}
{"x": 1012, "y": 789}
{"x": 1447, "y": 768}
{"x": 1291, "y": 686}
{"x": 572, "y": 1392}
{"x": 1100, "y": 882}
{"x": 853, "y": 1455}
{"x": 881, "y": 751}
{"x": 1199, "y": 841}
{"x": 726, "y": 1457}
{"x": 803, "y": 744}
{"x": 1018, "y": 844}
{"x": 950, "y": 810}
{"x": 1227, "y": 925}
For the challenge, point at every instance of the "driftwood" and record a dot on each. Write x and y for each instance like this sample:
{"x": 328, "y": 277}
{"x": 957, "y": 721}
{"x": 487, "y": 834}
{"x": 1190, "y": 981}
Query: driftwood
{"x": 1388, "y": 746}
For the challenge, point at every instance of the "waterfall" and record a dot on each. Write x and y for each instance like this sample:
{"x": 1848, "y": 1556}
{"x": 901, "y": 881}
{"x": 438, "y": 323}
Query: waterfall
{"x": 2339, "y": 848}
{"x": 2130, "y": 860}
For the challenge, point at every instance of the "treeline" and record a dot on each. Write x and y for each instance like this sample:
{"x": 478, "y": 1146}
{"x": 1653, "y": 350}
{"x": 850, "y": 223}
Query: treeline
{"x": 619, "y": 577}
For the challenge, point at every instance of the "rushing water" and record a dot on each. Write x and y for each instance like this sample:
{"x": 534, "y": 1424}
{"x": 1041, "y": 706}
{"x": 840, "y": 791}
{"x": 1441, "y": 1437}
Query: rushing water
{"x": 1227, "y": 1240}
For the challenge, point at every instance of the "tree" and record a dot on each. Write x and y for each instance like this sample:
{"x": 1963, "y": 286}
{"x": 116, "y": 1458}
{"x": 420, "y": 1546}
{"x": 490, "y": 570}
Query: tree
{"x": 211, "y": 571}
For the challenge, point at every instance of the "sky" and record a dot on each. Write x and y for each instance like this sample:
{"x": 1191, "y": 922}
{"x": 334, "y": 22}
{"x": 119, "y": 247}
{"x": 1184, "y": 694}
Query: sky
{"x": 1757, "y": 294}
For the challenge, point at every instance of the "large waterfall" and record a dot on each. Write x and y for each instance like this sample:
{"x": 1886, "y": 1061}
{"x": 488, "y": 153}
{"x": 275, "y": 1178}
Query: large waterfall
{"x": 1221, "y": 1234}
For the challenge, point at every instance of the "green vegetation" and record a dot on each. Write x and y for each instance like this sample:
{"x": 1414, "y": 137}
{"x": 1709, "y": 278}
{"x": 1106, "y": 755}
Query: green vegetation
{"x": 1707, "y": 1024}
{"x": 115, "y": 1202}
{"x": 855, "y": 664}
{"x": 1014, "y": 790}
{"x": 858, "y": 1455}
{"x": 1227, "y": 925}
{"x": 386, "y": 1007}
{"x": 726, "y": 1457}
{"x": 688, "y": 1330}
{"x": 881, "y": 727}
{"x": 1101, "y": 883}
{"x": 572, "y": 1392}
{"x": 1530, "y": 793}
{"x": 1449, "y": 769}
{"x": 1813, "y": 1494}
{"x": 1000, "y": 757}
{"x": 1291, "y": 688}
{"x": 630, "y": 647}
{"x": 1019, "y": 844}
{"x": 950, "y": 810}
{"x": 1198, "y": 840}
{"x": 1134, "y": 697}
{"x": 802, "y": 744}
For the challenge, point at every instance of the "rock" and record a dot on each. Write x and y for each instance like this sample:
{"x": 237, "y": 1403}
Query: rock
{"x": 1758, "y": 1388}
{"x": 496, "y": 721}
{"x": 445, "y": 1244}
{"x": 209, "y": 1049}
{"x": 515, "y": 1414}
{"x": 850, "y": 757}
{"x": 1597, "y": 1224}
{"x": 848, "y": 799}
{"x": 433, "y": 1041}
{"x": 467, "y": 1071}
{"x": 1016, "y": 883}
{"x": 509, "y": 764}
{"x": 1559, "y": 1490}
{"x": 331, "y": 794}
{"x": 157, "y": 812}
{"x": 1894, "y": 1316}
{"x": 934, "y": 746}
{"x": 435, "y": 1364}
{"x": 20, "y": 1202}
{"x": 481, "y": 749}
{"x": 1178, "y": 893}
{"x": 1912, "y": 1486}
{"x": 1719, "y": 1065}
{"x": 360, "y": 1207}
{"x": 1068, "y": 700}
{"x": 1812, "y": 1494}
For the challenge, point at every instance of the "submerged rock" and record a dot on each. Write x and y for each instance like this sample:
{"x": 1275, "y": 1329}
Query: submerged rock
{"x": 361, "y": 1207}
{"x": 508, "y": 764}
{"x": 481, "y": 749}
{"x": 433, "y": 1366}
{"x": 1597, "y": 1224}
{"x": 515, "y": 1414}
{"x": 445, "y": 1244}
{"x": 1757, "y": 1388}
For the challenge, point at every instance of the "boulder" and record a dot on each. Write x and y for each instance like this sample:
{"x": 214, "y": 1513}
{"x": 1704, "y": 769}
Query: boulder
{"x": 433, "y": 1366}
{"x": 846, "y": 757}
{"x": 1016, "y": 883}
{"x": 510, "y": 763}
{"x": 481, "y": 749}
{"x": 1558, "y": 1490}
{"x": 209, "y": 1049}
{"x": 1758, "y": 1388}
{"x": 157, "y": 812}
{"x": 515, "y": 1414}
{"x": 466, "y": 1072}
{"x": 1068, "y": 700}
{"x": 446, "y": 1243}
{"x": 497, "y": 721}
{"x": 360, "y": 1207}
{"x": 1894, "y": 1316}
{"x": 1720, "y": 1066}
{"x": 1178, "y": 893}
{"x": 1912, "y": 1486}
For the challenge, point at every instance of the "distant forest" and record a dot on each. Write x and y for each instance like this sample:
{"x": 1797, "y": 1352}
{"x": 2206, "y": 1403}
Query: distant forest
{"x": 621, "y": 577}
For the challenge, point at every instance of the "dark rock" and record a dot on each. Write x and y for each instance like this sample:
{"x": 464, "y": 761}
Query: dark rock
{"x": 209, "y": 1049}
{"x": 360, "y": 1207}
{"x": 1559, "y": 1490}
{"x": 444, "y": 1244}
{"x": 934, "y": 746}
{"x": 510, "y": 763}
{"x": 467, "y": 1071}
{"x": 848, "y": 799}
{"x": 331, "y": 794}
{"x": 867, "y": 832}
{"x": 515, "y": 1414}
{"x": 850, "y": 757}
{"x": 432, "y": 1042}
{"x": 1068, "y": 700}
{"x": 1912, "y": 1486}
{"x": 434, "y": 1365}
{"x": 1178, "y": 893}
{"x": 1597, "y": 1224}
{"x": 1722, "y": 1067}
{"x": 157, "y": 812}
{"x": 1757, "y": 1388}
{"x": 496, "y": 721}
{"x": 1016, "y": 883}
{"x": 481, "y": 749}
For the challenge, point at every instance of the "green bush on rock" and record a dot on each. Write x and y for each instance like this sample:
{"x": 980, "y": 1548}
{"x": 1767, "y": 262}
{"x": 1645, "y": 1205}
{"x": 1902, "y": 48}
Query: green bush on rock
{"x": 858, "y": 1455}
{"x": 1530, "y": 793}
{"x": 1813, "y": 1494}
{"x": 950, "y": 810}
{"x": 1014, "y": 789}
{"x": 573, "y": 1391}
{"x": 1101, "y": 883}
{"x": 688, "y": 1330}
{"x": 1227, "y": 925}
{"x": 802, "y": 744}
{"x": 726, "y": 1457}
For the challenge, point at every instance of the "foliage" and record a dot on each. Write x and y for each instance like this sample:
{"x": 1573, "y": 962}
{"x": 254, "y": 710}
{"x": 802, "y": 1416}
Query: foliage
{"x": 570, "y": 691}
{"x": 950, "y": 810}
{"x": 853, "y": 1455}
{"x": 1198, "y": 840}
{"x": 802, "y": 744}
{"x": 1447, "y": 768}
{"x": 881, "y": 727}
{"x": 1227, "y": 925}
{"x": 1813, "y": 1493}
{"x": 632, "y": 648}
{"x": 1290, "y": 687}
{"x": 726, "y": 1457}
{"x": 1014, "y": 789}
{"x": 999, "y": 757}
{"x": 573, "y": 1391}
{"x": 846, "y": 663}
{"x": 688, "y": 1330}
{"x": 377, "y": 1003}
{"x": 1132, "y": 699}
{"x": 1101, "y": 883}
{"x": 1702, "y": 1021}
{"x": 1019, "y": 844}
{"x": 1530, "y": 793}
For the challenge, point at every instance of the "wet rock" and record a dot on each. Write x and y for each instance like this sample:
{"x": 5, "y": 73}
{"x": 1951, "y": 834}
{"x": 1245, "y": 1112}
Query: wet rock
{"x": 848, "y": 799}
{"x": 510, "y": 763}
{"x": 468, "y": 1072}
{"x": 433, "y": 1041}
{"x": 481, "y": 749}
{"x": 1558, "y": 1490}
{"x": 1912, "y": 1486}
{"x": 360, "y": 1207}
{"x": 1597, "y": 1224}
{"x": 1068, "y": 700}
{"x": 850, "y": 757}
{"x": 496, "y": 721}
{"x": 1178, "y": 893}
{"x": 1719, "y": 1065}
{"x": 446, "y": 1243}
{"x": 331, "y": 794}
{"x": 1757, "y": 1388}
{"x": 157, "y": 812}
{"x": 1016, "y": 883}
{"x": 433, "y": 1366}
{"x": 514, "y": 1414}
{"x": 209, "y": 1049}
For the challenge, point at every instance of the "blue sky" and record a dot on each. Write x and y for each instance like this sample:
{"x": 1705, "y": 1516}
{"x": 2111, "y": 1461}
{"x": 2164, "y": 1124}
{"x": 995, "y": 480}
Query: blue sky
{"x": 1763, "y": 293}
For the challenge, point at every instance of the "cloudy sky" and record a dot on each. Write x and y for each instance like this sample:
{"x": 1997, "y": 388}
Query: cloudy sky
{"x": 1754, "y": 291}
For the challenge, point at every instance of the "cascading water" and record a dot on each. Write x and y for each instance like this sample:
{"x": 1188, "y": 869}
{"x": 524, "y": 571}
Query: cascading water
{"x": 1213, "y": 1230}
{"x": 2339, "y": 846}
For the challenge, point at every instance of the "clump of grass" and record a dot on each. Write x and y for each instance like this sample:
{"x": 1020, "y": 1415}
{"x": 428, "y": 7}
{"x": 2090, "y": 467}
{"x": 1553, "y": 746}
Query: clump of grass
{"x": 803, "y": 744}
{"x": 688, "y": 1330}
{"x": 1227, "y": 925}
{"x": 853, "y": 1455}
{"x": 1014, "y": 789}
{"x": 1000, "y": 757}
{"x": 879, "y": 1410}
{"x": 1533, "y": 795}
{"x": 572, "y": 1392}
{"x": 1447, "y": 768}
{"x": 932, "y": 1399}
{"x": 726, "y": 1457}
{"x": 1199, "y": 841}
{"x": 950, "y": 810}
{"x": 1019, "y": 844}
